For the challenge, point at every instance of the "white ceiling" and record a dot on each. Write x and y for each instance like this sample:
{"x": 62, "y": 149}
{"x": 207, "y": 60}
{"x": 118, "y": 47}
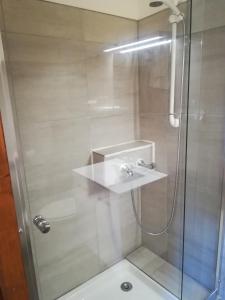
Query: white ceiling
{"x": 132, "y": 9}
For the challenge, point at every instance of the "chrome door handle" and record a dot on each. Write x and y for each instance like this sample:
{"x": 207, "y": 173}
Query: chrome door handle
{"x": 41, "y": 224}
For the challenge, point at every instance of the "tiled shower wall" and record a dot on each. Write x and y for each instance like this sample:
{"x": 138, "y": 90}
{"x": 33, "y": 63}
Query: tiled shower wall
{"x": 70, "y": 97}
{"x": 154, "y": 81}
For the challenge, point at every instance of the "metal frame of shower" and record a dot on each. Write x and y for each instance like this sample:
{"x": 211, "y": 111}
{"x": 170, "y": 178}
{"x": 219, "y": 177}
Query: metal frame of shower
{"x": 17, "y": 174}
{"x": 221, "y": 243}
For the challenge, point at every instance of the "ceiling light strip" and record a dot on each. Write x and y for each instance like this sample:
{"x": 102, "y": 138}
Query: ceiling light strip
{"x": 133, "y": 44}
{"x": 146, "y": 46}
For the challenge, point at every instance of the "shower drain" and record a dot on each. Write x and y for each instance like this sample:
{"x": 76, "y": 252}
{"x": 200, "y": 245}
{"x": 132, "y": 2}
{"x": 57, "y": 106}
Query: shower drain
{"x": 126, "y": 286}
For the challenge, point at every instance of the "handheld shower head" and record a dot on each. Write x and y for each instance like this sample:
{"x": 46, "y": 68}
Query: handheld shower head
{"x": 172, "y": 4}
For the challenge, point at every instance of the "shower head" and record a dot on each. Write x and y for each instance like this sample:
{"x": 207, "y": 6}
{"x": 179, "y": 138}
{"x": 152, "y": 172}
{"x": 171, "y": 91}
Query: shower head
{"x": 155, "y": 3}
{"x": 172, "y": 4}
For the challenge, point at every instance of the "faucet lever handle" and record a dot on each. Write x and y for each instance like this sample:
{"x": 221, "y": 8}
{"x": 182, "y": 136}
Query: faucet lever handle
{"x": 127, "y": 169}
{"x": 141, "y": 163}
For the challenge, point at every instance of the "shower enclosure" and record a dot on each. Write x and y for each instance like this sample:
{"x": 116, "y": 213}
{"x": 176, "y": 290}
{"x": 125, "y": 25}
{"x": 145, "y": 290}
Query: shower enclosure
{"x": 113, "y": 117}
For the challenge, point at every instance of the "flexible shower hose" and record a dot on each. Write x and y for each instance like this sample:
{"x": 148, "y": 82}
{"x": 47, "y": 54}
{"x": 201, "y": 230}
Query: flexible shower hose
{"x": 165, "y": 229}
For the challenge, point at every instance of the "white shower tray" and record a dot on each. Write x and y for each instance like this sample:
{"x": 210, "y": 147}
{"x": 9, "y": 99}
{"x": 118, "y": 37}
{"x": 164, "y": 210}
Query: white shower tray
{"x": 108, "y": 174}
{"x": 106, "y": 285}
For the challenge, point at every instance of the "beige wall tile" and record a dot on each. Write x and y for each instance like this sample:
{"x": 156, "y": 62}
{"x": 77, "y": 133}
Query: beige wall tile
{"x": 108, "y": 29}
{"x": 55, "y": 91}
{"x": 2, "y": 25}
{"x": 154, "y": 24}
{"x": 155, "y": 67}
{"x": 112, "y": 83}
{"x": 63, "y": 274}
{"x": 49, "y": 77}
{"x": 55, "y": 141}
{"x": 29, "y": 48}
{"x": 154, "y": 100}
{"x": 154, "y": 215}
{"x": 156, "y": 127}
{"x": 42, "y": 18}
{"x": 207, "y": 14}
{"x": 109, "y": 227}
{"x": 111, "y": 130}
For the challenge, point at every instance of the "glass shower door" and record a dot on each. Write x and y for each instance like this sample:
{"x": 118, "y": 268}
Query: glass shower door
{"x": 99, "y": 153}
{"x": 205, "y": 149}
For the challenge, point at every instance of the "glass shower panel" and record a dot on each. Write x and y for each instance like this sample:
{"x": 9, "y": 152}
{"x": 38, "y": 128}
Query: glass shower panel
{"x": 205, "y": 151}
{"x": 72, "y": 98}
